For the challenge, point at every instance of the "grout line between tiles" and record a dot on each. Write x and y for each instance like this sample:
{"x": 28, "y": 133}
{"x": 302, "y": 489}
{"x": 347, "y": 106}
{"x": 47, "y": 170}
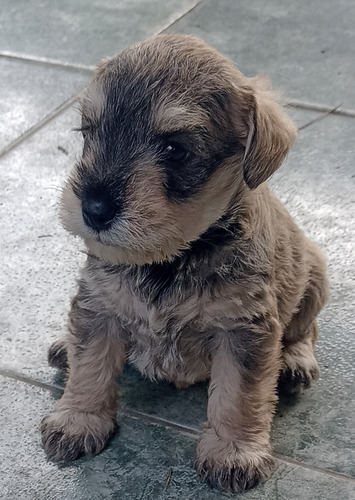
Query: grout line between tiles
{"x": 151, "y": 419}
{"x": 29, "y": 380}
{"x": 314, "y": 468}
{"x": 319, "y": 118}
{"x": 41, "y": 123}
{"x": 46, "y": 61}
{"x": 192, "y": 9}
{"x": 312, "y": 106}
{"x": 183, "y": 429}
{"x": 76, "y": 66}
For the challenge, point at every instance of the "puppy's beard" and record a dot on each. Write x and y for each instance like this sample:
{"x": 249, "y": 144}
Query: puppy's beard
{"x": 132, "y": 256}
{"x": 155, "y": 229}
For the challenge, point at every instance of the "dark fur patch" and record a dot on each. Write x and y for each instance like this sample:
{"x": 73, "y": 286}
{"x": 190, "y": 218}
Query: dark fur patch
{"x": 60, "y": 446}
{"x": 233, "y": 479}
{"x": 293, "y": 382}
{"x": 222, "y": 234}
{"x": 192, "y": 269}
{"x": 117, "y": 143}
{"x": 57, "y": 355}
{"x": 204, "y": 155}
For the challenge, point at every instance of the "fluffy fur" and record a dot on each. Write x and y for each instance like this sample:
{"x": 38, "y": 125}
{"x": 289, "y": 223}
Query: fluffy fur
{"x": 195, "y": 270}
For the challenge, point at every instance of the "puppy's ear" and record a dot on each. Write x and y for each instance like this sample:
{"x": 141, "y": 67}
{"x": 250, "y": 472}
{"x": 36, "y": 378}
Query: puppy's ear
{"x": 270, "y": 133}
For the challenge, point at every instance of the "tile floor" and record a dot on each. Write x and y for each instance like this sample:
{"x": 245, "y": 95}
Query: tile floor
{"x": 47, "y": 51}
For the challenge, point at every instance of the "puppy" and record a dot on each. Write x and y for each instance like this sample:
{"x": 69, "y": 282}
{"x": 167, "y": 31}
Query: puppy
{"x": 195, "y": 270}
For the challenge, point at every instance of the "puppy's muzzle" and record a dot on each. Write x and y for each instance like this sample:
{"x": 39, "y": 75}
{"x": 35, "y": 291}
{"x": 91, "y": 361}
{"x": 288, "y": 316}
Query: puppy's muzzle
{"x": 99, "y": 213}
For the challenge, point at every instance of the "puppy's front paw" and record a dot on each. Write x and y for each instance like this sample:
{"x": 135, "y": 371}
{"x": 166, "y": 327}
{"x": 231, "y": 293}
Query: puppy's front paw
{"x": 223, "y": 465}
{"x": 67, "y": 435}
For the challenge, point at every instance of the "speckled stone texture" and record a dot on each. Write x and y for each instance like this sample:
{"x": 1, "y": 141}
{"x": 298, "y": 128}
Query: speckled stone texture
{"x": 47, "y": 50}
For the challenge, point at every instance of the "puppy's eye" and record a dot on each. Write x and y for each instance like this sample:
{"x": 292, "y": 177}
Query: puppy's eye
{"x": 175, "y": 153}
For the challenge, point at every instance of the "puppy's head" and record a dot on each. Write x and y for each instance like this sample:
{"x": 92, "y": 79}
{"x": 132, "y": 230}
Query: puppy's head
{"x": 173, "y": 134}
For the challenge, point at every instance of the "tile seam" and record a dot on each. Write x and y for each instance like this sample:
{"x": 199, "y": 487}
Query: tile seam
{"x": 6, "y": 54}
{"x": 6, "y": 373}
{"x": 38, "y": 125}
{"x": 44, "y": 61}
{"x": 322, "y": 116}
{"x": 196, "y": 6}
{"x": 186, "y": 430}
{"x": 323, "y": 108}
{"x": 153, "y": 420}
{"x": 328, "y": 472}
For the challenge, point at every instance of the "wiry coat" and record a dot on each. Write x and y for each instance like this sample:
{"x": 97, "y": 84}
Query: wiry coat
{"x": 195, "y": 270}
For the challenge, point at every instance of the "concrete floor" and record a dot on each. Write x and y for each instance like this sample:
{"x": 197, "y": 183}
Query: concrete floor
{"x": 47, "y": 51}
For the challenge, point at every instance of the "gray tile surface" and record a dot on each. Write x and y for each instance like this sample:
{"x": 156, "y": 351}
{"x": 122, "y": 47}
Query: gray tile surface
{"x": 135, "y": 465}
{"x": 306, "y": 47}
{"x": 39, "y": 261}
{"x": 29, "y": 92}
{"x": 82, "y": 32}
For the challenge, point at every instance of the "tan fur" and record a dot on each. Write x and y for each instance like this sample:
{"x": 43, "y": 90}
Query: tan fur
{"x": 214, "y": 282}
{"x": 154, "y": 229}
{"x": 169, "y": 118}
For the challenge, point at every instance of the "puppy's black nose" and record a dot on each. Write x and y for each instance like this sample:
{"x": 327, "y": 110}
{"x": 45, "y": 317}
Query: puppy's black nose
{"x": 98, "y": 213}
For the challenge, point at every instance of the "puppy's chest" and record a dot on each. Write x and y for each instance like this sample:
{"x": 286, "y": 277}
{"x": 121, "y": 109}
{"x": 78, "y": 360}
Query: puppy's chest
{"x": 167, "y": 339}
{"x": 172, "y": 338}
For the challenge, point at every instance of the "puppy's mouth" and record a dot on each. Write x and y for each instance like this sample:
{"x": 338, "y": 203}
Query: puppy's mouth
{"x": 110, "y": 234}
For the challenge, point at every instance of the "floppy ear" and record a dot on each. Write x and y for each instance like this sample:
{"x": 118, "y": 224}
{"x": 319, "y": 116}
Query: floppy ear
{"x": 270, "y": 135}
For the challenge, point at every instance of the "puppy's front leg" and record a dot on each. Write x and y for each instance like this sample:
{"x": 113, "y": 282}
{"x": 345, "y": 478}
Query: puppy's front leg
{"x": 83, "y": 419}
{"x": 233, "y": 452}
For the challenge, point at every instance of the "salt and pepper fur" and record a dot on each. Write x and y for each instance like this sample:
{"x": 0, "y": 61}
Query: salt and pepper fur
{"x": 202, "y": 274}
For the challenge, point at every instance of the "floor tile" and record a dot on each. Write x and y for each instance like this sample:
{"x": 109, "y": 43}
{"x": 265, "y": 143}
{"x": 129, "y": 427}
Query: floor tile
{"x": 29, "y": 92}
{"x": 39, "y": 260}
{"x": 306, "y": 51}
{"x": 135, "y": 466}
{"x": 83, "y": 32}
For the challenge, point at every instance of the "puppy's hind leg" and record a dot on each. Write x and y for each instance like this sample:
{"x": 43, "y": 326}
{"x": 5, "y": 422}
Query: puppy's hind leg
{"x": 58, "y": 354}
{"x": 300, "y": 367}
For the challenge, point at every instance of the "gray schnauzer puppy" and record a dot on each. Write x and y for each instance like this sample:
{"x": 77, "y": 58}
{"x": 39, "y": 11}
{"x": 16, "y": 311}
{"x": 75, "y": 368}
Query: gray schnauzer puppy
{"x": 195, "y": 270}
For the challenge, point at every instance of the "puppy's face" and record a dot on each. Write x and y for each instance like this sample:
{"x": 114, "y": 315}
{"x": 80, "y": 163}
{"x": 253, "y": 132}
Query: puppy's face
{"x": 171, "y": 138}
